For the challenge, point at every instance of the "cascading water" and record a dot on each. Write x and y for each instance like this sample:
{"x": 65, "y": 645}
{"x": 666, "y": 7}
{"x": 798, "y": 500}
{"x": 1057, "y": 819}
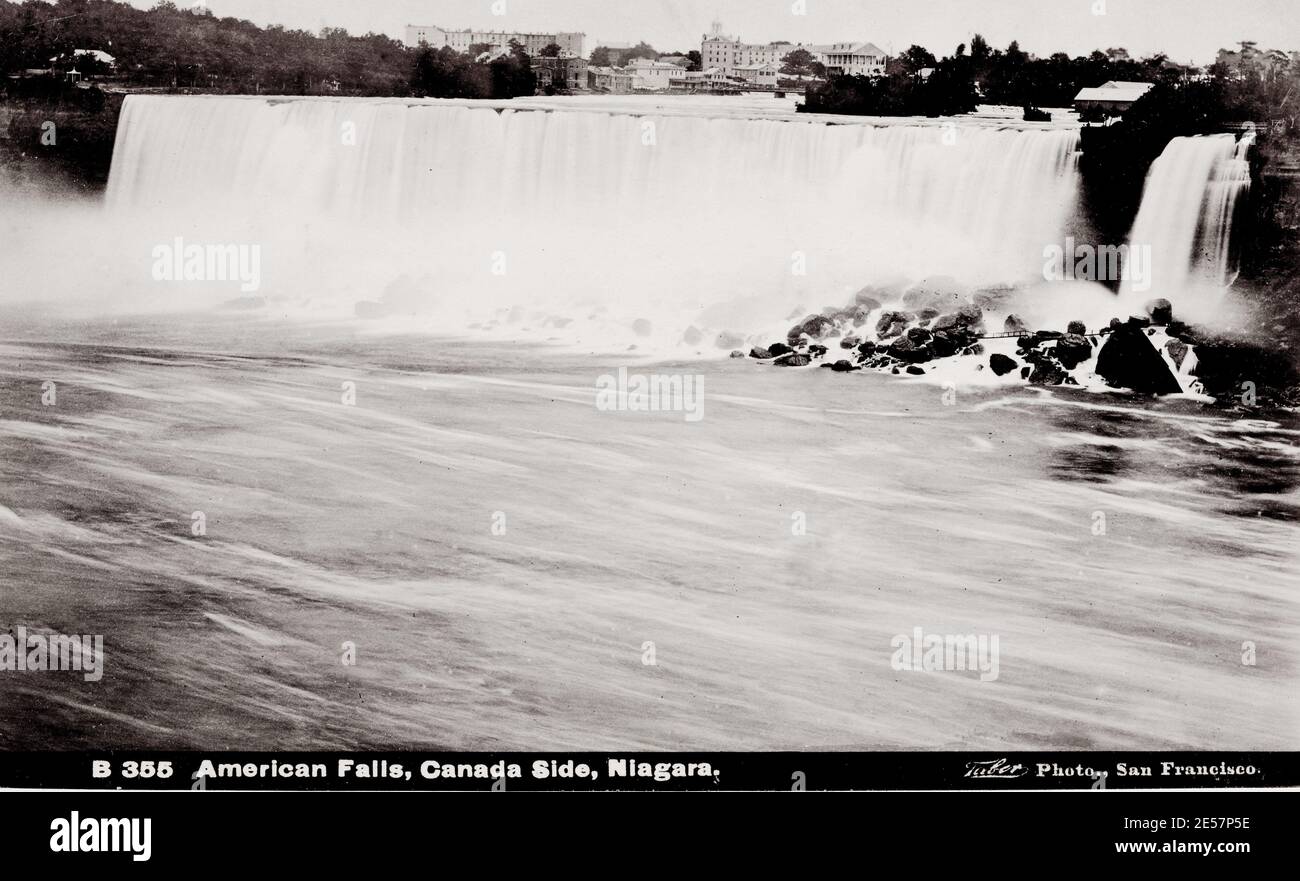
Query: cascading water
{"x": 1185, "y": 219}
{"x": 472, "y": 213}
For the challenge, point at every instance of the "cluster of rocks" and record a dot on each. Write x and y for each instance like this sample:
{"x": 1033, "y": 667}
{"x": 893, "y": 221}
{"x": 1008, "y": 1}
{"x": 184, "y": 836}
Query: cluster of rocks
{"x": 899, "y": 340}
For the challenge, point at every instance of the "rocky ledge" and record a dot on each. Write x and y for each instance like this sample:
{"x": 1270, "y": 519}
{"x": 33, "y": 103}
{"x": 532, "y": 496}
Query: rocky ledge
{"x": 1152, "y": 354}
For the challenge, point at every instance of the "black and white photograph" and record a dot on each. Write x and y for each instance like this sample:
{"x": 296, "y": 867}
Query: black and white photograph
{"x": 690, "y": 395}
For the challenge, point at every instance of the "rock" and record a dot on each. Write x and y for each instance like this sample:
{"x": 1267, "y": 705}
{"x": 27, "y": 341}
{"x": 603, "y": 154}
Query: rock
{"x": 850, "y": 342}
{"x": 642, "y": 327}
{"x": 1115, "y": 324}
{"x": 867, "y": 349}
{"x": 692, "y": 336}
{"x": 816, "y": 351}
{"x": 729, "y": 341}
{"x": 794, "y": 360}
{"x": 1138, "y": 321}
{"x": 814, "y": 326}
{"x": 779, "y": 349}
{"x": 1177, "y": 350}
{"x": 905, "y": 350}
{"x": 1047, "y": 373}
{"x": 737, "y": 354}
{"x": 1077, "y": 327}
{"x": 977, "y": 349}
{"x": 893, "y": 323}
{"x": 1014, "y": 324}
{"x": 844, "y": 367}
{"x": 1224, "y": 366}
{"x": 919, "y": 336}
{"x": 967, "y": 318}
{"x": 1161, "y": 312}
{"x": 915, "y": 371}
{"x": 1072, "y": 350}
{"x": 928, "y": 314}
{"x": 1128, "y": 360}
{"x": 760, "y": 354}
{"x": 1025, "y": 371}
{"x": 1001, "y": 364}
{"x": 943, "y": 345}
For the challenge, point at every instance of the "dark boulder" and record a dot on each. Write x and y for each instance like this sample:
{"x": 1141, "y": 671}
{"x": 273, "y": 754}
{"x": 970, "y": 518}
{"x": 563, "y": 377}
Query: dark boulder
{"x": 1128, "y": 360}
{"x": 915, "y": 371}
{"x": 814, "y": 326}
{"x": 1014, "y": 324}
{"x": 905, "y": 350}
{"x": 795, "y": 360}
{"x": 779, "y": 349}
{"x": 737, "y": 354}
{"x": 844, "y": 367}
{"x": 943, "y": 345}
{"x": 1077, "y": 327}
{"x": 1072, "y": 350}
{"x": 1224, "y": 366}
{"x": 893, "y": 323}
{"x": 1001, "y": 364}
{"x": 1160, "y": 311}
{"x": 867, "y": 349}
{"x": 760, "y": 354}
{"x": 919, "y": 336}
{"x": 850, "y": 342}
{"x": 977, "y": 349}
{"x": 816, "y": 351}
{"x": 1047, "y": 373}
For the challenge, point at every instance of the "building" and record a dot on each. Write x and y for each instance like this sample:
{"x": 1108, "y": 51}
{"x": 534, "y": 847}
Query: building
{"x": 563, "y": 74}
{"x": 761, "y": 75}
{"x": 732, "y": 56}
{"x": 436, "y": 38}
{"x": 1112, "y": 99}
{"x": 851, "y": 59}
{"x": 653, "y": 76}
{"x": 610, "y": 80}
{"x": 712, "y": 81}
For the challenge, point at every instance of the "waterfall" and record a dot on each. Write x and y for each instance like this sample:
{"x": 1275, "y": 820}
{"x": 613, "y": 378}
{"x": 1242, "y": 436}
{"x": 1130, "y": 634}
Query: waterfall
{"x": 472, "y": 212}
{"x": 1185, "y": 220}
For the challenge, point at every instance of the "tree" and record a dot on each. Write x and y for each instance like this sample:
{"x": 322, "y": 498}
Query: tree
{"x": 551, "y": 50}
{"x": 916, "y": 59}
{"x": 600, "y": 57}
{"x": 697, "y": 60}
{"x": 798, "y": 63}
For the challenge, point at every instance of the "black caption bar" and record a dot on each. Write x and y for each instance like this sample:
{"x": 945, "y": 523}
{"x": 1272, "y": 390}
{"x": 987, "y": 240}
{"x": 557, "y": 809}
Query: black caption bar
{"x": 437, "y": 771}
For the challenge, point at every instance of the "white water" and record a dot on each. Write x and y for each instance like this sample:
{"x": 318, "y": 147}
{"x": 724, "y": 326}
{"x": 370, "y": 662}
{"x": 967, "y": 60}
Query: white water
{"x": 1186, "y": 220}
{"x": 548, "y": 218}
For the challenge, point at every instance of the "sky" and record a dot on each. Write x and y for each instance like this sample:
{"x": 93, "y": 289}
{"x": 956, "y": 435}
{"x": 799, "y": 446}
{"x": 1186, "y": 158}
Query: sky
{"x": 1186, "y": 30}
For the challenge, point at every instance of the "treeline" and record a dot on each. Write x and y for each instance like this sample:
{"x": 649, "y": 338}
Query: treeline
{"x": 1252, "y": 84}
{"x": 191, "y": 49}
{"x": 446, "y": 73}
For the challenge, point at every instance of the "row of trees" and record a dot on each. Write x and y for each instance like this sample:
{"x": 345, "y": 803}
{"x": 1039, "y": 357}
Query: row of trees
{"x": 191, "y": 48}
{"x": 1254, "y": 85}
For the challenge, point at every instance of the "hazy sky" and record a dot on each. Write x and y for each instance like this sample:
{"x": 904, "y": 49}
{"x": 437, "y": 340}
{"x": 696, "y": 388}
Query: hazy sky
{"x": 1184, "y": 29}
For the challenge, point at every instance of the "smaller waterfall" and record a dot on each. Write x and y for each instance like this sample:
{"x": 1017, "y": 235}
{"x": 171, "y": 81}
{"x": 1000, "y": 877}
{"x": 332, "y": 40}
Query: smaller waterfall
{"x": 1185, "y": 221}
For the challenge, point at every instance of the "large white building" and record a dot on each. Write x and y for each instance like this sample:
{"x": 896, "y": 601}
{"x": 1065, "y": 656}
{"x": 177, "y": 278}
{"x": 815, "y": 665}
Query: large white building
{"x": 735, "y": 57}
{"x": 436, "y": 38}
{"x": 653, "y": 75}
